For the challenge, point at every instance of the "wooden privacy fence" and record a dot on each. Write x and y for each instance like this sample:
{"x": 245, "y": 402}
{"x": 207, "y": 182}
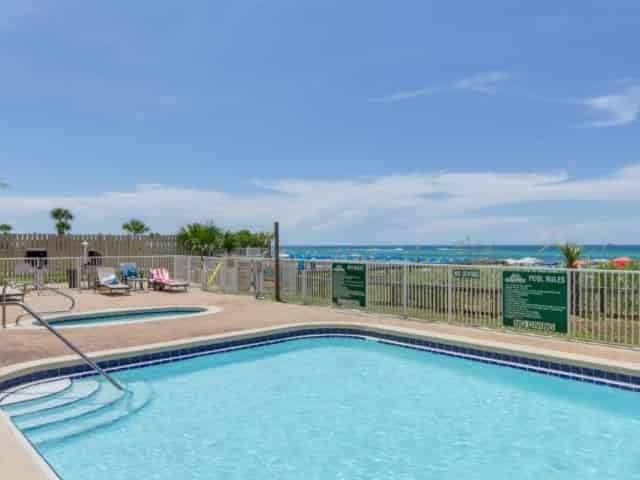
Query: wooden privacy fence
{"x": 19, "y": 245}
{"x": 75, "y": 272}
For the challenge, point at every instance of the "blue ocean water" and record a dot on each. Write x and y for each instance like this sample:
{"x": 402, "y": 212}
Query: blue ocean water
{"x": 456, "y": 253}
{"x": 352, "y": 409}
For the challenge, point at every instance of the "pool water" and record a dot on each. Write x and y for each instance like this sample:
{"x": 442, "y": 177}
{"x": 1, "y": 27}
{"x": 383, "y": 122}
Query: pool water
{"x": 340, "y": 408}
{"x": 123, "y": 316}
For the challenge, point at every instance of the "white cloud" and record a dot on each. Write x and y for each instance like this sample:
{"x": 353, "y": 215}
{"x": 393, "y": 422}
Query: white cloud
{"x": 427, "y": 207}
{"x": 484, "y": 83}
{"x": 409, "y": 94}
{"x": 616, "y": 109}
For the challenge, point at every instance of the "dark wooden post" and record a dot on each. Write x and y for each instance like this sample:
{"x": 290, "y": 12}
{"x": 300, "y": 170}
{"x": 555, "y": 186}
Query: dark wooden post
{"x": 276, "y": 253}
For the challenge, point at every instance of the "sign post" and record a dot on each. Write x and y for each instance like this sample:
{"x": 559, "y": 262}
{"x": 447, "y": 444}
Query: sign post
{"x": 349, "y": 284}
{"x": 535, "y": 300}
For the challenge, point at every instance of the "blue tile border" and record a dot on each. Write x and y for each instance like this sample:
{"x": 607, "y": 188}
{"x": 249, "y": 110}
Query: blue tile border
{"x": 545, "y": 367}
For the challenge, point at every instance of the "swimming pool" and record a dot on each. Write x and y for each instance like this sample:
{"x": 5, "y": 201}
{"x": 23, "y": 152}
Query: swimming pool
{"x": 327, "y": 408}
{"x": 122, "y": 316}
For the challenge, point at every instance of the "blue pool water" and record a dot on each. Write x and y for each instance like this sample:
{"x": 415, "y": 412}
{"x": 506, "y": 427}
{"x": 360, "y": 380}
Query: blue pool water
{"x": 124, "y": 316}
{"x": 338, "y": 408}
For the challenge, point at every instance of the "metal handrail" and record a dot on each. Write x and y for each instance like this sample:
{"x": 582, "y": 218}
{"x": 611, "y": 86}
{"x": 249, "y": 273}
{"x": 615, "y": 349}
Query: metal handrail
{"x": 3, "y": 301}
{"x": 68, "y": 343}
{"x": 39, "y": 286}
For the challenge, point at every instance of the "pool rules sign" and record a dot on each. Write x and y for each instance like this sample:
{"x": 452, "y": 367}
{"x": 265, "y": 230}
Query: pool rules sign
{"x": 535, "y": 300}
{"x": 349, "y": 284}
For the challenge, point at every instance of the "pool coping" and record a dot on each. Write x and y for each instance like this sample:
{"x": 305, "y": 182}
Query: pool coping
{"x": 576, "y": 367}
{"x": 33, "y": 324}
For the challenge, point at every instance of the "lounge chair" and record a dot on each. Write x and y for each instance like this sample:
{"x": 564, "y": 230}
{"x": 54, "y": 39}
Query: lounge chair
{"x": 13, "y": 294}
{"x": 159, "y": 279}
{"x": 107, "y": 280}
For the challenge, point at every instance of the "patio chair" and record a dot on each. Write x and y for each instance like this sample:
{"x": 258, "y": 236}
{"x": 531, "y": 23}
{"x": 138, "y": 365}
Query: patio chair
{"x": 159, "y": 279}
{"x": 129, "y": 270}
{"x": 108, "y": 281}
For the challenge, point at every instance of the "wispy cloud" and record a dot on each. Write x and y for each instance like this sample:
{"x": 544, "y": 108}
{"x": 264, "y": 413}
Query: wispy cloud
{"x": 425, "y": 207}
{"x": 409, "y": 94}
{"x": 484, "y": 83}
{"x": 616, "y": 109}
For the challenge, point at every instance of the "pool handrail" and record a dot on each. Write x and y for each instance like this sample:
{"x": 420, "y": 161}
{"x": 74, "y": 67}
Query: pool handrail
{"x": 68, "y": 343}
{"x": 39, "y": 286}
{"x": 12, "y": 295}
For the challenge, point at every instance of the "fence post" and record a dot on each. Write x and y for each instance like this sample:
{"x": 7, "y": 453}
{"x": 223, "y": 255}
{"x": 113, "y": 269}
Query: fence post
{"x": 259, "y": 278}
{"x": 236, "y": 275}
{"x": 304, "y": 283}
{"x": 276, "y": 254}
{"x": 189, "y": 269}
{"x": 222, "y": 274}
{"x": 449, "y": 294}
{"x": 79, "y": 274}
{"x": 569, "y": 302}
{"x": 175, "y": 266}
{"x": 331, "y": 285}
{"x": 4, "y": 303}
{"x": 405, "y": 292}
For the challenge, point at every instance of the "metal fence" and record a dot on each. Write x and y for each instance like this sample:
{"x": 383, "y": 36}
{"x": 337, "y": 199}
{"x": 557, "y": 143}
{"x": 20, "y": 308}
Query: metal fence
{"x": 603, "y": 305}
{"x": 74, "y": 272}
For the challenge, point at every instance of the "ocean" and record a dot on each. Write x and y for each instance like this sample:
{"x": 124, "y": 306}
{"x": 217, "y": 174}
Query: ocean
{"x": 549, "y": 255}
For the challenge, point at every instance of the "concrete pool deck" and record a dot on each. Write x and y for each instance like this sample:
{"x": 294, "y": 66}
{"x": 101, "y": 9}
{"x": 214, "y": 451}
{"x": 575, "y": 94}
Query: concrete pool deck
{"x": 241, "y": 313}
{"x": 238, "y": 315}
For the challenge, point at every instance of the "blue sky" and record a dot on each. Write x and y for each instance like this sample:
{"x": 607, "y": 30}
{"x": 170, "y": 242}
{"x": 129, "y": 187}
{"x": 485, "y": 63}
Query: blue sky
{"x": 350, "y": 122}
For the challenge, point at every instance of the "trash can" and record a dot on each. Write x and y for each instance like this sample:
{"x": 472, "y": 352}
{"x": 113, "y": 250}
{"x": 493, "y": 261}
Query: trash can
{"x": 72, "y": 278}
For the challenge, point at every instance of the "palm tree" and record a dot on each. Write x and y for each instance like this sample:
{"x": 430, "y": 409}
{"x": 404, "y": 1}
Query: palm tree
{"x": 229, "y": 241}
{"x": 136, "y": 227}
{"x": 571, "y": 253}
{"x": 201, "y": 239}
{"x": 63, "y": 218}
{"x": 244, "y": 238}
{"x": 5, "y": 228}
{"x": 262, "y": 239}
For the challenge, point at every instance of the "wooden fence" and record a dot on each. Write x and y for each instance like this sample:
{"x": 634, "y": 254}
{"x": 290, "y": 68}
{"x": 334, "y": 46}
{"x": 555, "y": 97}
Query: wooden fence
{"x": 19, "y": 245}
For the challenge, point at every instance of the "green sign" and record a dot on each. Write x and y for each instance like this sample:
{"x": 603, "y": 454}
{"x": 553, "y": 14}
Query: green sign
{"x": 349, "y": 282}
{"x": 467, "y": 273}
{"x": 535, "y": 300}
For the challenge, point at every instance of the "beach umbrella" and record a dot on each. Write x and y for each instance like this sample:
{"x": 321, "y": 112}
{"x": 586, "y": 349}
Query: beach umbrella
{"x": 621, "y": 262}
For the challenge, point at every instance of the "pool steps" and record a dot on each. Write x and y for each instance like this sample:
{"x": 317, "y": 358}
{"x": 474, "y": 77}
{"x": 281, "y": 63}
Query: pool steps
{"x": 34, "y": 392}
{"x": 104, "y": 397}
{"x": 77, "y": 391}
{"x": 86, "y": 406}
